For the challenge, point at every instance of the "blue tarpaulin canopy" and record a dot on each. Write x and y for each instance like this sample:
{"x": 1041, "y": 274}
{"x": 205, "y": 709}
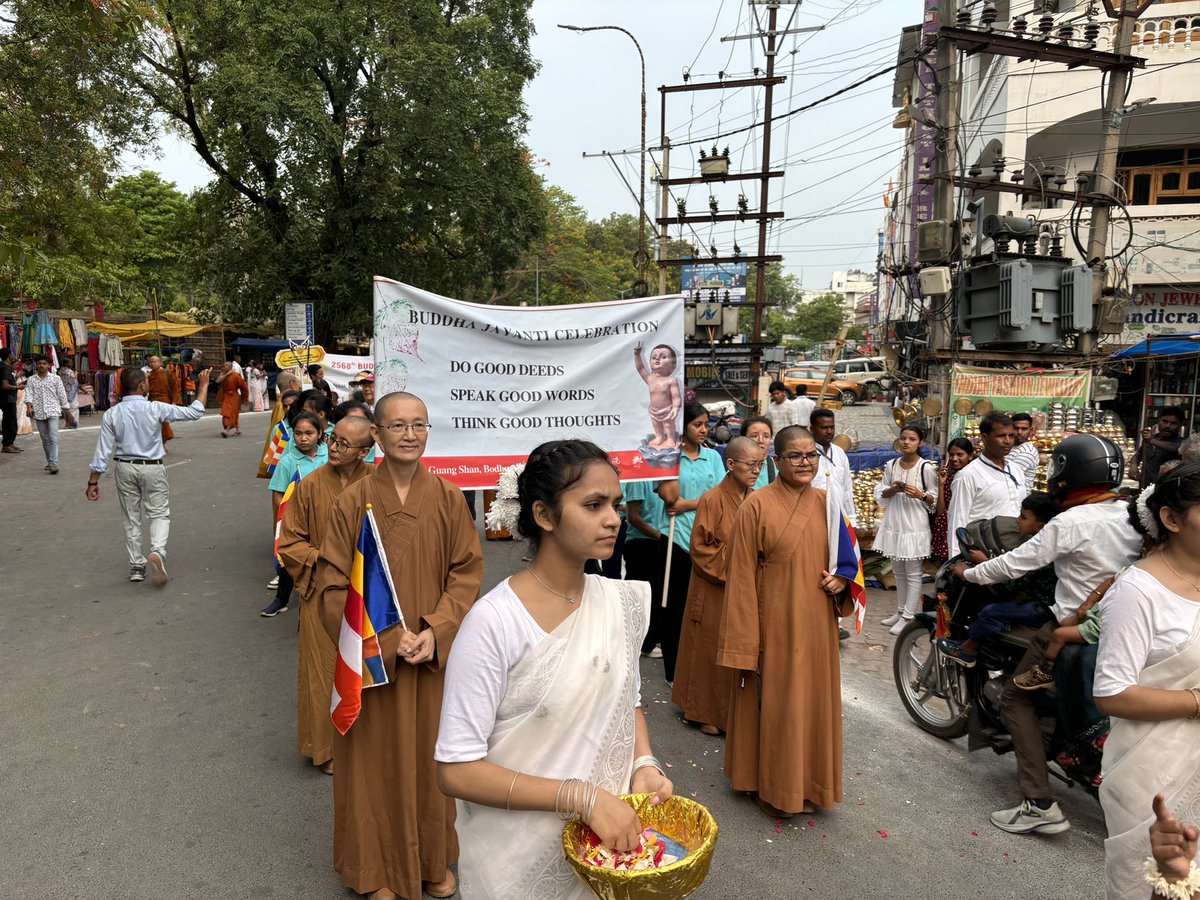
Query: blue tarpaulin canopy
{"x": 260, "y": 343}
{"x": 1167, "y": 345}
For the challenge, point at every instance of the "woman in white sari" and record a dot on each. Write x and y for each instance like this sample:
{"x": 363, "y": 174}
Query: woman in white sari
{"x": 540, "y": 710}
{"x": 1148, "y": 680}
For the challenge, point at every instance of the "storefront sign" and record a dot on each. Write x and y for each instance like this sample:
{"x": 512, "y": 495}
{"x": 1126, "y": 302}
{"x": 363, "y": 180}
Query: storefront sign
{"x": 500, "y": 380}
{"x": 1017, "y": 391}
{"x": 1162, "y": 310}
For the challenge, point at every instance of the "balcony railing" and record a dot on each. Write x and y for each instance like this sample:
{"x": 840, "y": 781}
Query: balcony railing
{"x": 1156, "y": 34}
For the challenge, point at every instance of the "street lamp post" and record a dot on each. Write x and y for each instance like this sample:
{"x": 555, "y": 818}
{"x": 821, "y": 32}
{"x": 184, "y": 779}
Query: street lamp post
{"x": 640, "y": 287}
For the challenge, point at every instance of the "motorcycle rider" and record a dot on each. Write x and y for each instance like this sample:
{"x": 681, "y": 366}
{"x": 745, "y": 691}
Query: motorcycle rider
{"x": 1088, "y": 541}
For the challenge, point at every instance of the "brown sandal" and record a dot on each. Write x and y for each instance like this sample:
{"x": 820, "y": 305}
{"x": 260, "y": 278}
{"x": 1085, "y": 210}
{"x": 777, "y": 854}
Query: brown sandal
{"x": 443, "y": 889}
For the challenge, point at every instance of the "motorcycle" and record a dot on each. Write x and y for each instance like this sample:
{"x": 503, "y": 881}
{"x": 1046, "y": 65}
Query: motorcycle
{"x": 948, "y": 700}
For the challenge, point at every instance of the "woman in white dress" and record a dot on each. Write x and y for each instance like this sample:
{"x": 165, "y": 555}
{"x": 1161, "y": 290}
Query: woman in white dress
{"x": 540, "y": 713}
{"x": 1148, "y": 679}
{"x": 907, "y": 492}
{"x": 256, "y": 379}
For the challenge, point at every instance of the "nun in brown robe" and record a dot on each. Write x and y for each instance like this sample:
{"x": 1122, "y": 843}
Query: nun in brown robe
{"x": 303, "y": 528}
{"x": 702, "y": 688}
{"x": 392, "y": 828}
{"x": 780, "y": 633}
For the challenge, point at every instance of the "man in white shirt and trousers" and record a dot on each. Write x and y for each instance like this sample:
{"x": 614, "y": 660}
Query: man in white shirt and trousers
{"x": 833, "y": 472}
{"x": 131, "y": 433}
{"x": 989, "y": 485}
{"x": 804, "y": 406}
{"x": 1089, "y": 541}
{"x": 1025, "y": 457}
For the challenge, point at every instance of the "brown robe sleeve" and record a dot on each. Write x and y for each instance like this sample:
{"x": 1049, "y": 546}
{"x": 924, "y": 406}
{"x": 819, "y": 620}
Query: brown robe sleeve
{"x": 333, "y": 565}
{"x": 739, "y": 644}
{"x": 708, "y": 550}
{"x": 296, "y": 547}
{"x": 463, "y": 578}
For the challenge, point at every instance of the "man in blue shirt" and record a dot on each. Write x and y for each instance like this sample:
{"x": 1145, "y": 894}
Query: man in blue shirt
{"x": 132, "y": 434}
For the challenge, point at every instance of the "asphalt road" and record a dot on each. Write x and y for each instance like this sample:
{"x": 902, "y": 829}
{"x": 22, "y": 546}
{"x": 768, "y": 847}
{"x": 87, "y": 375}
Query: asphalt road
{"x": 149, "y": 735}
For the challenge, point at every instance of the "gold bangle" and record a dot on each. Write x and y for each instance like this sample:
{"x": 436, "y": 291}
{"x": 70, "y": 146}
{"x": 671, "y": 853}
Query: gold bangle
{"x": 1195, "y": 692}
{"x": 508, "y": 801}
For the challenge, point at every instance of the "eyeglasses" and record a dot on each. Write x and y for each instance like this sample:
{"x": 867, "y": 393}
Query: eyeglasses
{"x": 795, "y": 459}
{"x": 342, "y": 445}
{"x": 417, "y": 428}
{"x": 751, "y": 466}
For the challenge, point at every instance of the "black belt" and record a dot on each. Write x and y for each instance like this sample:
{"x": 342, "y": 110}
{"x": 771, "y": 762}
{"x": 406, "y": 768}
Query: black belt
{"x": 142, "y": 462}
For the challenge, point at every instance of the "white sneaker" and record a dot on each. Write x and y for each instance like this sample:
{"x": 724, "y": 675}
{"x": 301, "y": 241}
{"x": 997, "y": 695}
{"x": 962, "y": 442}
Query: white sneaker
{"x": 273, "y": 583}
{"x": 899, "y": 625}
{"x": 1027, "y": 818}
{"x": 892, "y": 619}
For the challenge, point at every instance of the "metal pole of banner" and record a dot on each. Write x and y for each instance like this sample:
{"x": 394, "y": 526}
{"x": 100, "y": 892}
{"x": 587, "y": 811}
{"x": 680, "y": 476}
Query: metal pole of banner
{"x": 667, "y": 568}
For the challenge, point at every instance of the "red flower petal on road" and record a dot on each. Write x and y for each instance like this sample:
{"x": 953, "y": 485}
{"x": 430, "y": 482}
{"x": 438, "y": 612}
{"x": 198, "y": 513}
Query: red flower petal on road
{"x": 883, "y": 834}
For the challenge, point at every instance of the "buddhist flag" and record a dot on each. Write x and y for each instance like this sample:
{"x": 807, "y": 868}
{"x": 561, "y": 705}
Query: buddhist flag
{"x": 287, "y": 496}
{"x": 279, "y": 442}
{"x": 845, "y": 558}
{"x": 371, "y": 607}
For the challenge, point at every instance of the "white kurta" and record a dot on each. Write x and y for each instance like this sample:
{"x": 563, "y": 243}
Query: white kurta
{"x": 904, "y": 532}
{"x": 834, "y": 474}
{"x": 982, "y": 490}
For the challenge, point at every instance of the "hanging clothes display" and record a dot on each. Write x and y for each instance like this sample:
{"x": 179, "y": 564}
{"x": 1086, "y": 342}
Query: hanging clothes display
{"x": 28, "y": 344}
{"x": 79, "y": 332}
{"x": 44, "y": 331}
{"x": 65, "y": 339}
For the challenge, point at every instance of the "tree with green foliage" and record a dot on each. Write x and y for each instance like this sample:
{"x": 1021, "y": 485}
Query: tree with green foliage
{"x": 815, "y": 321}
{"x": 66, "y": 113}
{"x": 349, "y": 139}
{"x": 155, "y": 216}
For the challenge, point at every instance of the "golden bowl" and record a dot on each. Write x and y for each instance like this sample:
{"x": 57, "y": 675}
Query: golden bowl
{"x": 682, "y": 820}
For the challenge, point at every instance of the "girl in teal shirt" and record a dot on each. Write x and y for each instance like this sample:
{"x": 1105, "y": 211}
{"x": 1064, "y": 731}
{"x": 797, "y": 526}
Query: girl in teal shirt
{"x": 700, "y": 470}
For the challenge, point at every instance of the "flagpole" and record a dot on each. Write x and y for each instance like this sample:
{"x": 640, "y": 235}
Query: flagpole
{"x": 387, "y": 570}
{"x": 667, "y": 568}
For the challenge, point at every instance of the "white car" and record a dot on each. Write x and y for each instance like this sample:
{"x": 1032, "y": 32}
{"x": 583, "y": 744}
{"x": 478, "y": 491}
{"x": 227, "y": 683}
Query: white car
{"x": 864, "y": 370}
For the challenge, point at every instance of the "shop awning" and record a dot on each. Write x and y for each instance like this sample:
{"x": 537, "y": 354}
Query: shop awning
{"x": 138, "y": 331}
{"x": 260, "y": 343}
{"x": 1166, "y": 345}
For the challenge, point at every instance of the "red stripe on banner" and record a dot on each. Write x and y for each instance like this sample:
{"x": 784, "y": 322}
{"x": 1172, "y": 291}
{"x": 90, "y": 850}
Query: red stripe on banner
{"x": 474, "y": 472}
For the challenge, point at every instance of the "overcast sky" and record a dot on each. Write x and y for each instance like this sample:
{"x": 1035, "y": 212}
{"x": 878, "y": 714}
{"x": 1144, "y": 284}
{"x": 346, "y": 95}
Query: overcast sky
{"x": 837, "y": 157}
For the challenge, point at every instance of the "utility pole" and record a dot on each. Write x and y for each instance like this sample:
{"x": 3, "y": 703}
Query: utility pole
{"x": 946, "y": 79}
{"x": 664, "y": 196}
{"x": 760, "y": 281}
{"x": 641, "y": 258}
{"x": 1126, "y": 13}
{"x": 762, "y": 216}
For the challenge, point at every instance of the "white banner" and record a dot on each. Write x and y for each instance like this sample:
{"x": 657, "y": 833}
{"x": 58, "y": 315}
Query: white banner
{"x": 499, "y": 380}
{"x": 340, "y": 370}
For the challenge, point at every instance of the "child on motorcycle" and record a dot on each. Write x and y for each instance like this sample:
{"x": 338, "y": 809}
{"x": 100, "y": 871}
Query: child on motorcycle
{"x": 1032, "y": 593}
{"x": 1081, "y": 628}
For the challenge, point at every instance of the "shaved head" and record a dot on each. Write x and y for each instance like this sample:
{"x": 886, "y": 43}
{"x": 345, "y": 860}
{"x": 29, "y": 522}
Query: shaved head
{"x": 355, "y": 428}
{"x": 384, "y": 404}
{"x": 742, "y": 448}
{"x": 286, "y": 381}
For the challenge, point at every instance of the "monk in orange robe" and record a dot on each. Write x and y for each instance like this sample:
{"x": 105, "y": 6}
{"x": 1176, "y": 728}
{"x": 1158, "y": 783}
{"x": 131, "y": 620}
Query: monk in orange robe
{"x": 393, "y": 830}
{"x": 702, "y": 688}
{"x": 163, "y": 388}
{"x": 780, "y": 635}
{"x": 234, "y": 392}
{"x": 301, "y": 533}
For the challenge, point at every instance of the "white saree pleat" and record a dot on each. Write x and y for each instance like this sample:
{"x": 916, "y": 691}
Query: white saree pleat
{"x": 568, "y": 713}
{"x": 1142, "y": 759}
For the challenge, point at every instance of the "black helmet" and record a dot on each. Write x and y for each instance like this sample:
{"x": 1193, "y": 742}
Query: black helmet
{"x": 1084, "y": 460}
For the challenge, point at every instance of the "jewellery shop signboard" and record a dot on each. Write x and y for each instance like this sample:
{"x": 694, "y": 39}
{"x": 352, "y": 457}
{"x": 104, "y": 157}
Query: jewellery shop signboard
{"x": 1011, "y": 392}
{"x": 499, "y": 380}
